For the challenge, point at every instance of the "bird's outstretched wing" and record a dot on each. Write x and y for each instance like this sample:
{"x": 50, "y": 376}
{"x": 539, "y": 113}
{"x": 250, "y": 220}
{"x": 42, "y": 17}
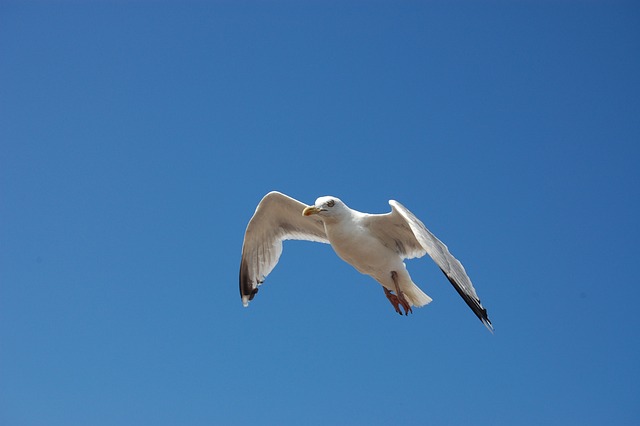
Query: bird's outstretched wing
{"x": 278, "y": 217}
{"x": 408, "y": 236}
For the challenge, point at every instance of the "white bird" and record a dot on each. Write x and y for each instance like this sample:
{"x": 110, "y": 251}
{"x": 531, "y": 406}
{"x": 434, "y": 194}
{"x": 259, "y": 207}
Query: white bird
{"x": 374, "y": 244}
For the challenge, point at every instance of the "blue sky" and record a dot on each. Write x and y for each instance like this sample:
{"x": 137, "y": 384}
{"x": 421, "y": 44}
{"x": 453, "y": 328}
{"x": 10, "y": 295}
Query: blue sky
{"x": 136, "y": 139}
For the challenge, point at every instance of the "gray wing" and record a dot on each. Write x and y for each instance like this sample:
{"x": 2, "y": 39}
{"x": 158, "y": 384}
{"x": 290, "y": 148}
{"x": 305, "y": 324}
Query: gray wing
{"x": 404, "y": 232}
{"x": 278, "y": 217}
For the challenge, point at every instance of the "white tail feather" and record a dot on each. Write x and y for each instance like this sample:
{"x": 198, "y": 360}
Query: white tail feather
{"x": 416, "y": 297}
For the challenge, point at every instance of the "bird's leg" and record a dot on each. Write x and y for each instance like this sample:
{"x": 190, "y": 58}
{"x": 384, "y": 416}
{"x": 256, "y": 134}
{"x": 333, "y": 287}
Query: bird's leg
{"x": 400, "y": 295}
{"x": 393, "y": 299}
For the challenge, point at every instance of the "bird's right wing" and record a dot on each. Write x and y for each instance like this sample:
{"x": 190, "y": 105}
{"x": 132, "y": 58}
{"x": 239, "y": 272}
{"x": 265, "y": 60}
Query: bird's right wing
{"x": 404, "y": 233}
{"x": 278, "y": 217}
{"x": 440, "y": 254}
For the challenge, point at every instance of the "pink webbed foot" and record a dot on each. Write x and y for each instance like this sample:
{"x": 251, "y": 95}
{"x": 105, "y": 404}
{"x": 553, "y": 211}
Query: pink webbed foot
{"x": 397, "y": 301}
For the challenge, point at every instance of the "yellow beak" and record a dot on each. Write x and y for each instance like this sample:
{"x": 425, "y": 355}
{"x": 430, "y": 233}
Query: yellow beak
{"x": 308, "y": 211}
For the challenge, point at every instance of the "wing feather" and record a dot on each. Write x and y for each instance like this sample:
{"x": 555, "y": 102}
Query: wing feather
{"x": 278, "y": 217}
{"x": 403, "y": 230}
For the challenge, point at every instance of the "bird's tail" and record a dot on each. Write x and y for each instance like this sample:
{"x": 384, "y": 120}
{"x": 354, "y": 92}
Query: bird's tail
{"x": 415, "y": 296}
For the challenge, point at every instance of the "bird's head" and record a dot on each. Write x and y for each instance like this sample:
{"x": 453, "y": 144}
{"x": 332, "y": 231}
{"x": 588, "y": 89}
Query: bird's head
{"x": 327, "y": 207}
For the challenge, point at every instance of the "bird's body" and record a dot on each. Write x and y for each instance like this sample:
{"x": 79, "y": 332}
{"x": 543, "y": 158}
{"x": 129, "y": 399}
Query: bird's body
{"x": 354, "y": 242}
{"x": 374, "y": 244}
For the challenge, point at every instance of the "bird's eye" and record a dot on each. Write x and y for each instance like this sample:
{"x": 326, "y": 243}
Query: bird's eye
{"x": 330, "y": 203}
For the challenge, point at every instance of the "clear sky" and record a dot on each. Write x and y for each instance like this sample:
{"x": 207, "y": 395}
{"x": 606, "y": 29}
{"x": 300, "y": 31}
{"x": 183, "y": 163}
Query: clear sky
{"x": 136, "y": 139}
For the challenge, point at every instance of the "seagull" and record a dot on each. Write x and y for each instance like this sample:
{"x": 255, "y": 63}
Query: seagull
{"x": 374, "y": 244}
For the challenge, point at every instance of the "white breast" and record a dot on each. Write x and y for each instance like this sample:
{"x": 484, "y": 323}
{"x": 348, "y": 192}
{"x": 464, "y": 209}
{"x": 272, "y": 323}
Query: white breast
{"x": 358, "y": 247}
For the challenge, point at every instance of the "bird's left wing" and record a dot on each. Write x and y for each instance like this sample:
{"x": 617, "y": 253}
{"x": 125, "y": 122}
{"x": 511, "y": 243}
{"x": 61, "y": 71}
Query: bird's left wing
{"x": 278, "y": 217}
{"x": 407, "y": 235}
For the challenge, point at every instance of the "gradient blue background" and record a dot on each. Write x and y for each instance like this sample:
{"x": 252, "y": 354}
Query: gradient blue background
{"x": 136, "y": 139}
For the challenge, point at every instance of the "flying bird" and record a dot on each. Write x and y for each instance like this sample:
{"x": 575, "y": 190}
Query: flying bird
{"x": 374, "y": 244}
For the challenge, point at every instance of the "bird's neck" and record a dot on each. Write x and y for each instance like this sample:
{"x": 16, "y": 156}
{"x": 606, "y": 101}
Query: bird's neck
{"x": 336, "y": 225}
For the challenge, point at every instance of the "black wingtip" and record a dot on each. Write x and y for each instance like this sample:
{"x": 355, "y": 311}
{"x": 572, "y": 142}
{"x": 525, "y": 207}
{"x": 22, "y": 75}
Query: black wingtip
{"x": 246, "y": 287}
{"x": 473, "y": 303}
{"x": 253, "y": 293}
